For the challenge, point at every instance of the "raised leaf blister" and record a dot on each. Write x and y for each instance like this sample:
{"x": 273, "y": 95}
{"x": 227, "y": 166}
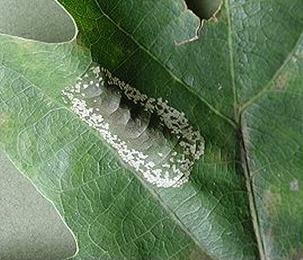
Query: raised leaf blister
{"x": 155, "y": 139}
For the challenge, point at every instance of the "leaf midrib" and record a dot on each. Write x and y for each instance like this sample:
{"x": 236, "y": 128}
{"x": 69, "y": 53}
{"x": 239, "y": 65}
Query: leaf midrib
{"x": 241, "y": 141}
{"x": 239, "y": 110}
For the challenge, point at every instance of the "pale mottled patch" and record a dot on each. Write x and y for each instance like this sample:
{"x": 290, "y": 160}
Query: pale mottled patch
{"x": 294, "y": 185}
{"x": 152, "y": 137}
{"x": 3, "y": 118}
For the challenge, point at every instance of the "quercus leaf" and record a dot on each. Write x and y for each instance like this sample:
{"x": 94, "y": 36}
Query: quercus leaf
{"x": 30, "y": 226}
{"x": 238, "y": 83}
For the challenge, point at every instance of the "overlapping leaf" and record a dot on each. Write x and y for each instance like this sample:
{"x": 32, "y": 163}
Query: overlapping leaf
{"x": 239, "y": 81}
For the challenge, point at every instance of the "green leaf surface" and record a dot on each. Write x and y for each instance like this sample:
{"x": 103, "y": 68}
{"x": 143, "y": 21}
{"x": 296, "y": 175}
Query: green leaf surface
{"x": 31, "y": 229}
{"x": 43, "y": 21}
{"x": 239, "y": 84}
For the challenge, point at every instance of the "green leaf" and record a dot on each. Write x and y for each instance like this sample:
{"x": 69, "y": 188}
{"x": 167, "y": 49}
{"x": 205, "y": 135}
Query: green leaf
{"x": 42, "y": 21}
{"x": 30, "y": 226}
{"x": 239, "y": 84}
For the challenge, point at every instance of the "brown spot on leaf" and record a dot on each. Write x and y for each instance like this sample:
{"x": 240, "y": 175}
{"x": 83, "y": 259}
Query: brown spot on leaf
{"x": 197, "y": 253}
{"x": 296, "y": 254}
{"x": 272, "y": 199}
{"x": 280, "y": 82}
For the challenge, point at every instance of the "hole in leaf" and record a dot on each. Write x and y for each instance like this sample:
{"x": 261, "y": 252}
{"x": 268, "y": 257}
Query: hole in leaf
{"x": 204, "y": 9}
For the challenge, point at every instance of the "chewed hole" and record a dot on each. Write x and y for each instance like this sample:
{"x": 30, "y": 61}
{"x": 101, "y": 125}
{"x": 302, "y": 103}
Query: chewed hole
{"x": 204, "y": 9}
{"x": 42, "y": 20}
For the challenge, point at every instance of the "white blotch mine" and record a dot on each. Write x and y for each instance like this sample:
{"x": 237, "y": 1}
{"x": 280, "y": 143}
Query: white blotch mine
{"x": 149, "y": 135}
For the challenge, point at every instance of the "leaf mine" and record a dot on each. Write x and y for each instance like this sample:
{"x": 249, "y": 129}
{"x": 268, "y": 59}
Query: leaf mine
{"x": 156, "y": 140}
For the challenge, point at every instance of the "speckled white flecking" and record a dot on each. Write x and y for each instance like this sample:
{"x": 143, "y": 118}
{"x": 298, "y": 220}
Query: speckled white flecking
{"x": 153, "y": 138}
